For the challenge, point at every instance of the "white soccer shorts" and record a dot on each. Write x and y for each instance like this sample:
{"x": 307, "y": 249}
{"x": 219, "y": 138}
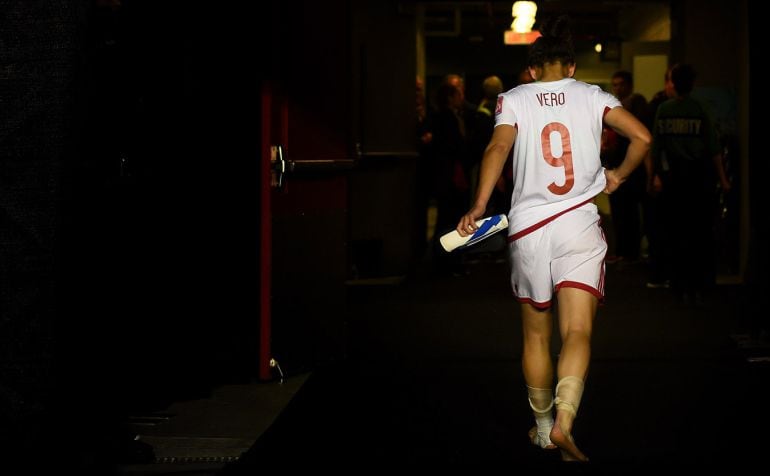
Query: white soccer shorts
{"x": 566, "y": 252}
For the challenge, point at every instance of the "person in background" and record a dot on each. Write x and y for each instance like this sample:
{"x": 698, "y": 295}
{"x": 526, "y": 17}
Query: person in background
{"x": 625, "y": 205}
{"x": 491, "y": 87}
{"x": 685, "y": 143}
{"x": 449, "y": 172}
{"x": 657, "y": 216}
{"x": 474, "y": 128}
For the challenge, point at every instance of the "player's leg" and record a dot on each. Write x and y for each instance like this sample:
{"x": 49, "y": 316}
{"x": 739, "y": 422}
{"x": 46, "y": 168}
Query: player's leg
{"x": 577, "y": 309}
{"x": 576, "y": 313}
{"x": 578, "y": 271}
{"x": 538, "y": 371}
{"x": 532, "y": 285}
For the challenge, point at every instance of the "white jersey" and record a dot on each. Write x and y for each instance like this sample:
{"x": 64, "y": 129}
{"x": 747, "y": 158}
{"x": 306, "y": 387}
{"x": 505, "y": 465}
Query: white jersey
{"x": 556, "y": 163}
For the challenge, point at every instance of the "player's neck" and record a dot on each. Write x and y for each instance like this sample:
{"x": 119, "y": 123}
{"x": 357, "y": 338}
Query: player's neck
{"x": 553, "y": 72}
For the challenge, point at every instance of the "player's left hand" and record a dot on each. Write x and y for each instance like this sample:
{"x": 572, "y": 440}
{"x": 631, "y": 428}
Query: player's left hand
{"x": 613, "y": 181}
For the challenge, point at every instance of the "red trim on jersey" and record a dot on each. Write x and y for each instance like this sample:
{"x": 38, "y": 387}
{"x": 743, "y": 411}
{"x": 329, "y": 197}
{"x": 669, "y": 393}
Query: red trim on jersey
{"x": 606, "y": 110}
{"x": 537, "y": 225}
{"x": 583, "y": 286}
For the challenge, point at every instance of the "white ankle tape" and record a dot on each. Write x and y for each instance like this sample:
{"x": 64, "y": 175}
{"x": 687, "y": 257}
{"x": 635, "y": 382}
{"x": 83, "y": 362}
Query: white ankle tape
{"x": 541, "y": 402}
{"x": 540, "y": 399}
{"x": 569, "y": 391}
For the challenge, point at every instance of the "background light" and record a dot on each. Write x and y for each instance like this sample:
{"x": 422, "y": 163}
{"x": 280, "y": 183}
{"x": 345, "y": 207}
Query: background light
{"x": 523, "y": 16}
{"x": 521, "y": 29}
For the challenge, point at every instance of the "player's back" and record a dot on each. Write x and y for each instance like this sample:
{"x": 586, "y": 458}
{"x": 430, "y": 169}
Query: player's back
{"x": 556, "y": 163}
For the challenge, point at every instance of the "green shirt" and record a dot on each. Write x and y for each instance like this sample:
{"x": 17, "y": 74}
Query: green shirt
{"x": 684, "y": 142}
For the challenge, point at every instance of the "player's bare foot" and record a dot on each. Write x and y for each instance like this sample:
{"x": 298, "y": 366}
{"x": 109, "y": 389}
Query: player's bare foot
{"x": 562, "y": 439}
{"x": 537, "y": 440}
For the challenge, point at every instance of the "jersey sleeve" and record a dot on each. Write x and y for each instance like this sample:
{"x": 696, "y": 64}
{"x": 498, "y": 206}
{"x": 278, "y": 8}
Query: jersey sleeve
{"x": 606, "y": 100}
{"x": 504, "y": 110}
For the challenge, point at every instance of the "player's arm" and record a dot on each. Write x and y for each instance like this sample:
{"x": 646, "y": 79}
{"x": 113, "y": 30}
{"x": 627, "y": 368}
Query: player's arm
{"x": 492, "y": 165}
{"x": 629, "y": 126}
